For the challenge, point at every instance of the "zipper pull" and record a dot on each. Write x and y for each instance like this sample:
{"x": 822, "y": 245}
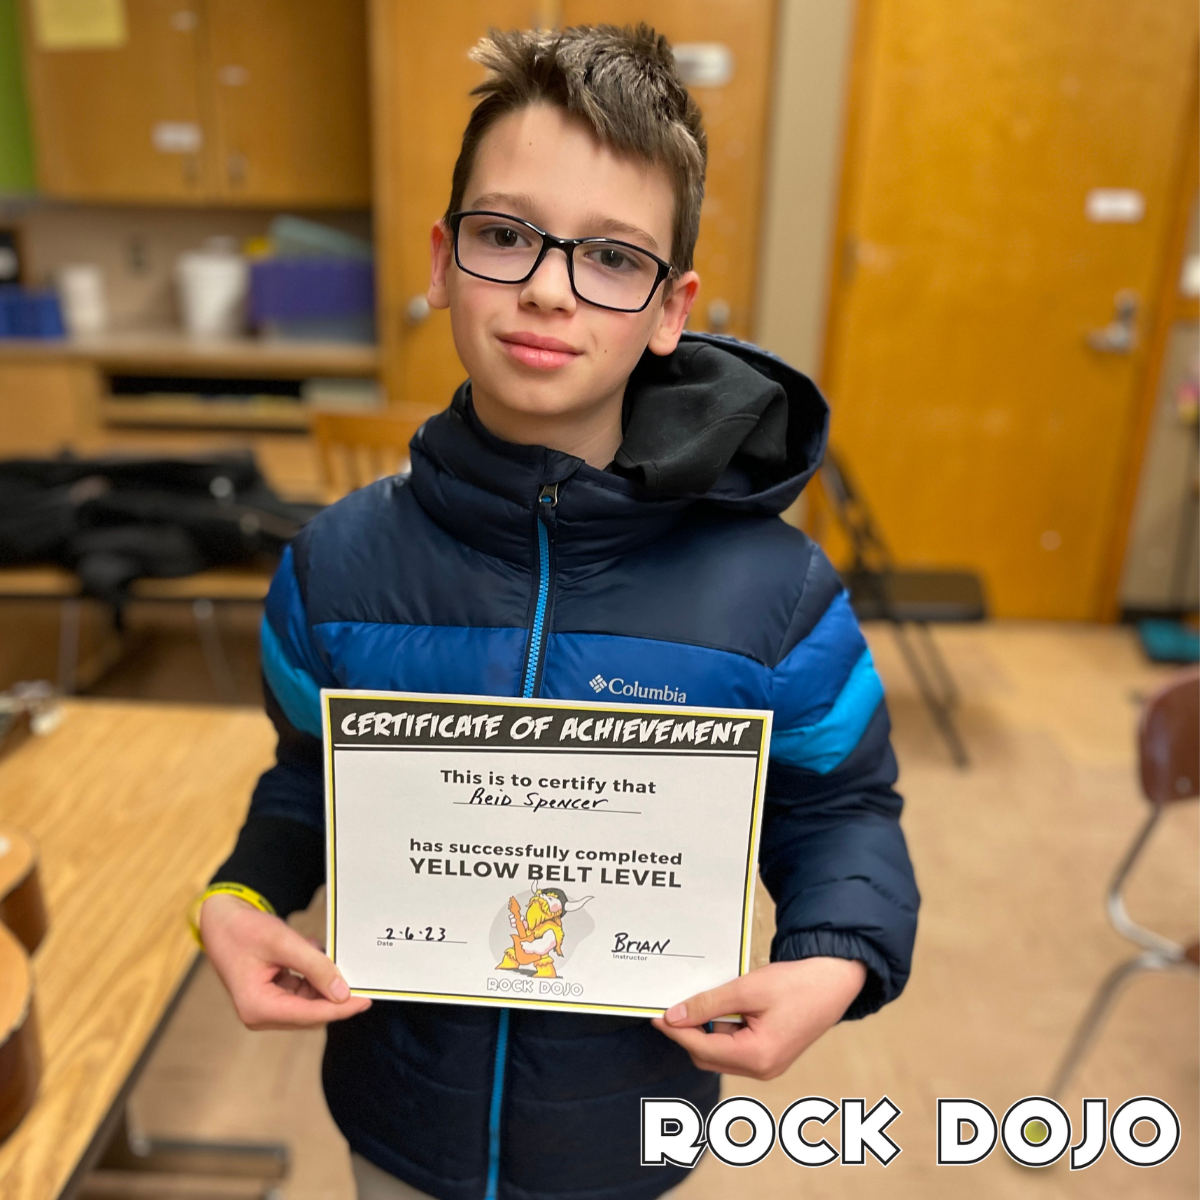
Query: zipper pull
{"x": 548, "y": 494}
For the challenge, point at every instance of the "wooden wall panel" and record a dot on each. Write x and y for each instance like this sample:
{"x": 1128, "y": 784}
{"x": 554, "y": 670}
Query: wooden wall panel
{"x": 735, "y": 119}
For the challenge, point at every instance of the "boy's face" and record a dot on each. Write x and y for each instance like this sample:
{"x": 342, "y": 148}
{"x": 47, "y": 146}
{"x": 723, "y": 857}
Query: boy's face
{"x": 535, "y": 350}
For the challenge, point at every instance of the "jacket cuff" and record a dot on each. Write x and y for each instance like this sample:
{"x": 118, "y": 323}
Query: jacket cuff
{"x": 280, "y": 859}
{"x": 831, "y": 943}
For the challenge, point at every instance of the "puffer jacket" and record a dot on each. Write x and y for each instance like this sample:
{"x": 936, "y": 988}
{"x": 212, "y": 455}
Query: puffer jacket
{"x": 509, "y": 570}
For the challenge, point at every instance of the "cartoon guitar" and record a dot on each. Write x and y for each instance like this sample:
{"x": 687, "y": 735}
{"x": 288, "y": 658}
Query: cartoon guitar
{"x": 22, "y": 927}
{"x": 523, "y": 956}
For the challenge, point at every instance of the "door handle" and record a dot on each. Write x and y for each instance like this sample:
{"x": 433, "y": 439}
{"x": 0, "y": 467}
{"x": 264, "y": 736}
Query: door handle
{"x": 1119, "y": 336}
{"x": 719, "y": 315}
{"x": 416, "y": 310}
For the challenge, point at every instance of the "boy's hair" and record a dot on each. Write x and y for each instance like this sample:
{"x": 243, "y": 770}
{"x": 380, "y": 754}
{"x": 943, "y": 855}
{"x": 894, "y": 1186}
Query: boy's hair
{"x": 622, "y": 82}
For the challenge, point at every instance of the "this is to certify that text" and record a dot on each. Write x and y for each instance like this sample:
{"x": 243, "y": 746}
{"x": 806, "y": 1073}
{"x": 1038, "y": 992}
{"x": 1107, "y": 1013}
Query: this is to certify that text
{"x": 554, "y": 854}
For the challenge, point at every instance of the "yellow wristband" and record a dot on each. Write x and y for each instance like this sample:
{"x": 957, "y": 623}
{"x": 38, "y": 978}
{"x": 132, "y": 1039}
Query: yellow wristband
{"x": 249, "y": 895}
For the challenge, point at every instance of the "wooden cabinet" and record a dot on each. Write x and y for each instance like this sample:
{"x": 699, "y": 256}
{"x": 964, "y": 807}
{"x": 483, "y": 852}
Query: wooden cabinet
{"x": 122, "y": 123}
{"x": 226, "y": 101}
{"x": 421, "y": 80}
{"x": 290, "y": 117}
{"x": 46, "y": 406}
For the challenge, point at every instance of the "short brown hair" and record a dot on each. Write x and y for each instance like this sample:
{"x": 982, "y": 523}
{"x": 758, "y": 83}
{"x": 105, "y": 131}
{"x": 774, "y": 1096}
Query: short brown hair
{"x": 622, "y": 82}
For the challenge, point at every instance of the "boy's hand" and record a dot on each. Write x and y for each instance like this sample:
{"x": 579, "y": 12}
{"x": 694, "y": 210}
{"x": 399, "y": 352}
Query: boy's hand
{"x": 278, "y": 979}
{"x": 786, "y": 1006}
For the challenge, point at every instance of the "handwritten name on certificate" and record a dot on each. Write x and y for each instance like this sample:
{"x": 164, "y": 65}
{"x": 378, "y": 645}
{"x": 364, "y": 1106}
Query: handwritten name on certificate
{"x": 552, "y": 854}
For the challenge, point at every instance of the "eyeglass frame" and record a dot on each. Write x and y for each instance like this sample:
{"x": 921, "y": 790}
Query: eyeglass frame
{"x": 567, "y": 246}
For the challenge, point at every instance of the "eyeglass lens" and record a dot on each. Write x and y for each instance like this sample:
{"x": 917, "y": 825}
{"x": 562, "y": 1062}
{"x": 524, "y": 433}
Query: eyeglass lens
{"x": 608, "y": 273}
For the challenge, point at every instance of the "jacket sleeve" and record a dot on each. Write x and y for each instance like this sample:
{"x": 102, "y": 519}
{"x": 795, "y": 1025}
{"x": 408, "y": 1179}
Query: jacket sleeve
{"x": 833, "y": 856}
{"x": 280, "y": 851}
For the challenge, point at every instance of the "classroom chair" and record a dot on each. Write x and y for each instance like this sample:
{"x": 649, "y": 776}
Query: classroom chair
{"x": 881, "y": 591}
{"x": 1169, "y": 765}
{"x": 355, "y": 449}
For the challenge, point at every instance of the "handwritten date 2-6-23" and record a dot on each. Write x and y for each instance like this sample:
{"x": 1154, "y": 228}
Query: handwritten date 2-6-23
{"x": 408, "y": 934}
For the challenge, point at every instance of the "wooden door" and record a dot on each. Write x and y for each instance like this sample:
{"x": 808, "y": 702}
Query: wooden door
{"x": 289, "y": 90}
{"x": 982, "y": 426}
{"x": 121, "y": 123}
{"x": 421, "y": 80}
{"x": 735, "y": 119}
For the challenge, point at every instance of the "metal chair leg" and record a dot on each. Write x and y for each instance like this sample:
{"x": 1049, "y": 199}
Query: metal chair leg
{"x": 1150, "y": 960}
{"x": 936, "y": 705}
{"x": 938, "y": 666}
{"x": 214, "y": 652}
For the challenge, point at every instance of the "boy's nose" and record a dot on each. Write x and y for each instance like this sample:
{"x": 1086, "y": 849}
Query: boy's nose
{"x": 550, "y": 285}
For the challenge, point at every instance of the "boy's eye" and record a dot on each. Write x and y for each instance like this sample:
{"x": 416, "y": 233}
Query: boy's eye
{"x": 615, "y": 258}
{"x": 504, "y": 237}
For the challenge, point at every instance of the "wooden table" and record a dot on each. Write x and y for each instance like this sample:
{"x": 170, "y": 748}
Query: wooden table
{"x": 221, "y": 584}
{"x": 203, "y": 590}
{"x": 133, "y": 807}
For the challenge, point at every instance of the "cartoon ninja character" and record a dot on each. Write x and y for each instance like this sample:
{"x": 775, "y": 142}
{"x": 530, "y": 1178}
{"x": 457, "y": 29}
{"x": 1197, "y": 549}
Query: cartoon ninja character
{"x": 538, "y": 932}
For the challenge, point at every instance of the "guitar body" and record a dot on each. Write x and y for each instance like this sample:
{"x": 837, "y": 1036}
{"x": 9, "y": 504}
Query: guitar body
{"x": 523, "y": 956}
{"x": 22, "y": 926}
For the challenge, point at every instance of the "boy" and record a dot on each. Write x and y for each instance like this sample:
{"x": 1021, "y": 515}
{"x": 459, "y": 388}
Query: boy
{"x": 601, "y": 498}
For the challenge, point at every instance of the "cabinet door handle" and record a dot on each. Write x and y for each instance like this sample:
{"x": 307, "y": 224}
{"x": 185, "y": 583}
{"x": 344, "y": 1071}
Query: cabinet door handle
{"x": 416, "y": 310}
{"x": 235, "y": 167}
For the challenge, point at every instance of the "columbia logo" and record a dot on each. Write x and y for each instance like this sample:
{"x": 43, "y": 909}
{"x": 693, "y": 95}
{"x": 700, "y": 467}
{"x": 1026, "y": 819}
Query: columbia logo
{"x": 639, "y": 691}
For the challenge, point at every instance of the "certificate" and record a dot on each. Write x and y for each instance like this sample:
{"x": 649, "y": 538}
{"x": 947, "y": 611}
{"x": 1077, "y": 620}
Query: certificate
{"x": 551, "y": 854}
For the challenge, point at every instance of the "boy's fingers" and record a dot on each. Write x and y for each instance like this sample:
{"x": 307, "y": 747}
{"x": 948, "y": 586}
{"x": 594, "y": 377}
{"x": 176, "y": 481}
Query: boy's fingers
{"x": 283, "y": 1010}
{"x": 736, "y": 1053}
{"x": 289, "y": 949}
{"x": 703, "y": 1007}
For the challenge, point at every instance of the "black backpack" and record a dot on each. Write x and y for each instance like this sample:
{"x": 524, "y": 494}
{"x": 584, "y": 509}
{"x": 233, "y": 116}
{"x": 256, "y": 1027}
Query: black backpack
{"x": 114, "y": 520}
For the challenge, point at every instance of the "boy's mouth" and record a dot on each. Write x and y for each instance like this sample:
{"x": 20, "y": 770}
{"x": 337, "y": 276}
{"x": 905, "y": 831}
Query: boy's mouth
{"x": 542, "y": 353}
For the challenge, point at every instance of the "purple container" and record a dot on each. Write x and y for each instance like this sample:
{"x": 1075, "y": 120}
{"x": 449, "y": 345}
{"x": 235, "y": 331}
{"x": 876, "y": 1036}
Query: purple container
{"x": 285, "y": 290}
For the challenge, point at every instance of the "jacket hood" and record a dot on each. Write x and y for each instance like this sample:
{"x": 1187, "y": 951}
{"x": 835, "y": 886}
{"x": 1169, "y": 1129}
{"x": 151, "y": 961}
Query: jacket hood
{"x": 722, "y": 420}
{"x": 718, "y": 422}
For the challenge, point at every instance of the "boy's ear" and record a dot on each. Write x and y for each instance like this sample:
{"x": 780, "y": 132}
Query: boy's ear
{"x": 673, "y": 315}
{"x": 441, "y": 245}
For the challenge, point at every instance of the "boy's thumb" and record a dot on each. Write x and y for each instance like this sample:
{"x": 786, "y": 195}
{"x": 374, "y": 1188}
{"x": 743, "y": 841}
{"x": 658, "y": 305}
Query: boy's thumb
{"x": 298, "y": 954}
{"x": 703, "y": 1007}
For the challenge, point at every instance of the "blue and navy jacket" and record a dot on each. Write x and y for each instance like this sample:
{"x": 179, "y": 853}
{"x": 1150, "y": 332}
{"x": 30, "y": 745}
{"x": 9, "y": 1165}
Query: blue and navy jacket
{"x": 509, "y": 570}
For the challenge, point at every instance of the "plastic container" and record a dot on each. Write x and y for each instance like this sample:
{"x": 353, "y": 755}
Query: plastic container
{"x": 212, "y": 285}
{"x": 30, "y": 314}
{"x": 84, "y": 306}
{"x": 314, "y": 298}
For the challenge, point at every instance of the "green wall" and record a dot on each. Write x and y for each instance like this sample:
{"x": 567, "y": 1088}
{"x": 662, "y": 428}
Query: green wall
{"x": 16, "y": 145}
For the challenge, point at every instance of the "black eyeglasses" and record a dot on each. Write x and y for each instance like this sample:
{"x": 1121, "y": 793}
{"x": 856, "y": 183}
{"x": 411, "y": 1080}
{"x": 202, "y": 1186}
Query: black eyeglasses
{"x": 505, "y": 249}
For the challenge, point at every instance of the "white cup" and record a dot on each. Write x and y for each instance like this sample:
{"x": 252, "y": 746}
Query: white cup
{"x": 81, "y": 291}
{"x": 212, "y": 292}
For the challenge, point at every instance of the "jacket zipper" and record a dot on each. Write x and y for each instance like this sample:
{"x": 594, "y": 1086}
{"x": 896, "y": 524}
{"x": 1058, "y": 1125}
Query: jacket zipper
{"x": 547, "y": 499}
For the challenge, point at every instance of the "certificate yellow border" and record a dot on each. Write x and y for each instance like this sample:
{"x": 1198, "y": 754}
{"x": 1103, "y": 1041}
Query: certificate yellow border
{"x": 327, "y": 694}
